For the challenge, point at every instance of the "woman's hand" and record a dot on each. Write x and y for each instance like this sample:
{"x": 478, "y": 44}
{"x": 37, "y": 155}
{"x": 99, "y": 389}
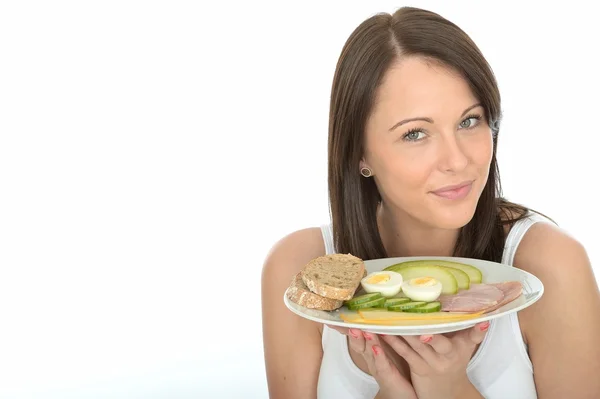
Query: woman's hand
{"x": 392, "y": 385}
{"x": 438, "y": 364}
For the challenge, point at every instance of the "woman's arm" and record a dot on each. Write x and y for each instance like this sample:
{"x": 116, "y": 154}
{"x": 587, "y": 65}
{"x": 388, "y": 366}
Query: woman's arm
{"x": 563, "y": 328}
{"x": 292, "y": 345}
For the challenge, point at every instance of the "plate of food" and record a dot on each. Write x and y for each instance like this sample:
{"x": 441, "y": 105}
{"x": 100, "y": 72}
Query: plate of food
{"x": 409, "y": 295}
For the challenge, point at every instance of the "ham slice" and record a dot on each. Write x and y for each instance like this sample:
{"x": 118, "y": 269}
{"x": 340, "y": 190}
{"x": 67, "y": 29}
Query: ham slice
{"x": 482, "y": 297}
{"x": 511, "y": 290}
{"x": 478, "y": 297}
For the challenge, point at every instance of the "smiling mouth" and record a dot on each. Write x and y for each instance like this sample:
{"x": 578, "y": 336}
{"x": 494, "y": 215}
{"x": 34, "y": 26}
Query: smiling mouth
{"x": 454, "y": 192}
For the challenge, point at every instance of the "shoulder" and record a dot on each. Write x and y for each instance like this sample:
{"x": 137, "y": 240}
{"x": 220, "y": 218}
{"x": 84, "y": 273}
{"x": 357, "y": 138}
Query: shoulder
{"x": 292, "y": 345}
{"x": 547, "y": 251}
{"x": 562, "y": 264}
{"x": 290, "y": 253}
{"x": 558, "y": 328}
{"x": 287, "y": 257}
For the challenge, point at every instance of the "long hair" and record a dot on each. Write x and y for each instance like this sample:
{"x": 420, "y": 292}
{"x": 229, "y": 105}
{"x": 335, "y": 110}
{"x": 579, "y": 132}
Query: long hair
{"x": 366, "y": 56}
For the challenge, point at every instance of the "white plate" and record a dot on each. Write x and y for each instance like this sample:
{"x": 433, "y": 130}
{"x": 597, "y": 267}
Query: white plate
{"x": 492, "y": 272}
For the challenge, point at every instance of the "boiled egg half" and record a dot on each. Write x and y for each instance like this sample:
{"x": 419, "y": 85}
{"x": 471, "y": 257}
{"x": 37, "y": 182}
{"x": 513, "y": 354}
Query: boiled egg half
{"x": 388, "y": 283}
{"x": 422, "y": 289}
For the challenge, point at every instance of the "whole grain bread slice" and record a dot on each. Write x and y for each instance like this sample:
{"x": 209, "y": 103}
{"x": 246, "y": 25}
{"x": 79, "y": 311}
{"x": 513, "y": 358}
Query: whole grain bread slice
{"x": 299, "y": 293}
{"x": 335, "y": 276}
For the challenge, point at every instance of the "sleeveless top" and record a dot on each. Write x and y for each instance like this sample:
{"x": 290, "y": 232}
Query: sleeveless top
{"x": 499, "y": 369}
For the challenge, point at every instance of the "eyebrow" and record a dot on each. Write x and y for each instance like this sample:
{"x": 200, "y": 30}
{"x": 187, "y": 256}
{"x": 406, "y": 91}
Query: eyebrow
{"x": 404, "y": 121}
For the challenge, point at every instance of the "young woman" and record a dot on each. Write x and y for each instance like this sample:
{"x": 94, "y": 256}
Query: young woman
{"x": 414, "y": 123}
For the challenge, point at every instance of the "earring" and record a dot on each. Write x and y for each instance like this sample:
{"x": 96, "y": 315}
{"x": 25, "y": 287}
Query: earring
{"x": 366, "y": 172}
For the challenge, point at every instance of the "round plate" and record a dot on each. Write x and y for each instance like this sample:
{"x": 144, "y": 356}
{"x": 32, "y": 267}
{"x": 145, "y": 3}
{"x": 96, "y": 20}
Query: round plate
{"x": 492, "y": 272}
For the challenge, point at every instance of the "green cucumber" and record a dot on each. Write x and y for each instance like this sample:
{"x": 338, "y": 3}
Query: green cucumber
{"x": 363, "y": 298}
{"x": 375, "y": 303}
{"x": 473, "y": 272}
{"x": 430, "y": 307}
{"x": 395, "y": 301}
{"x": 403, "y": 307}
{"x": 462, "y": 278}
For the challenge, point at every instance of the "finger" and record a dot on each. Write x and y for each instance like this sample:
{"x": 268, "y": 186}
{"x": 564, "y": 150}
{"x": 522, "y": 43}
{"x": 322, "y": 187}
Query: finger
{"x": 442, "y": 345}
{"x": 402, "y": 348}
{"x": 391, "y": 354}
{"x": 423, "y": 349}
{"x": 387, "y": 375}
{"x": 381, "y": 362}
{"x": 477, "y": 333}
{"x": 356, "y": 340}
{"x": 369, "y": 353}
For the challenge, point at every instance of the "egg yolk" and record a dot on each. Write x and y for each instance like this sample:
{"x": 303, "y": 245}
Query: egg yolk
{"x": 423, "y": 281}
{"x": 378, "y": 279}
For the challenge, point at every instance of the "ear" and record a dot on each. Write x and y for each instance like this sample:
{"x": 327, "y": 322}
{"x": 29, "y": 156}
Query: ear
{"x": 364, "y": 169}
{"x": 362, "y": 164}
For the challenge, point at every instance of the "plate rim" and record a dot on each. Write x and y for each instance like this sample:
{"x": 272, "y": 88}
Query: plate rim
{"x": 409, "y": 330}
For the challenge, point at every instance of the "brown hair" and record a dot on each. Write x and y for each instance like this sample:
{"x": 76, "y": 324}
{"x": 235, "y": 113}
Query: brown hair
{"x": 367, "y": 54}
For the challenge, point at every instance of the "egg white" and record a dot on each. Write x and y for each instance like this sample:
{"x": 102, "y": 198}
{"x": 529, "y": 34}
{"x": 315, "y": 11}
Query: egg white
{"x": 424, "y": 293}
{"x": 387, "y": 288}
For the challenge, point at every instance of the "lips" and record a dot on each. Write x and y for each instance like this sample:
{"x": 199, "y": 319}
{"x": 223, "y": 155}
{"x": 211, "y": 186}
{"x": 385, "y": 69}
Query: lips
{"x": 456, "y": 191}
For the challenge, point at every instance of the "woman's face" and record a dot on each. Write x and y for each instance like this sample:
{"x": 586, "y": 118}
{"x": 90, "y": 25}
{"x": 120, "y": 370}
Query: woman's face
{"x": 428, "y": 144}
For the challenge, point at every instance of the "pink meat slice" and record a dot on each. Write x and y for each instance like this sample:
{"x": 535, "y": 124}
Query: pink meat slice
{"x": 511, "y": 290}
{"x": 477, "y": 298}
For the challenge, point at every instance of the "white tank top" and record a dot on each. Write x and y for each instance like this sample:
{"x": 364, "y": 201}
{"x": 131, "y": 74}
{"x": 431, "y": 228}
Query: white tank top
{"x": 500, "y": 368}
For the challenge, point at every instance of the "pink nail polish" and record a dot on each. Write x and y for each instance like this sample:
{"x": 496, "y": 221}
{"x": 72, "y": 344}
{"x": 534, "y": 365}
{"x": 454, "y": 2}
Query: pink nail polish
{"x": 367, "y": 336}
{"x": 485, "y": 326}
{"x": 376, "y": 350}
{"x": 426, "y": 338}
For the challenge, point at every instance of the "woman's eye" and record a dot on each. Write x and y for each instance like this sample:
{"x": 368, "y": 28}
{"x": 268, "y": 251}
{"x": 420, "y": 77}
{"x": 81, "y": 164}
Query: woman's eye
{"x": 414, "y": 135}
{"x": 469, "y": 122}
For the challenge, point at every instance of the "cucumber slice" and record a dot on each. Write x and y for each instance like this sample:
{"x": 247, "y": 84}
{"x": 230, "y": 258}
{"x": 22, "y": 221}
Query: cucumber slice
{"x": 429, "y": 307}
{"x": 475, "y": 276}
{"x": 462, "y": 278}
{"x": 375, "y": 303}
{"x": 363, "y": 298}
{"x": 403, "y": 307}
{"x": 395, "y": 301}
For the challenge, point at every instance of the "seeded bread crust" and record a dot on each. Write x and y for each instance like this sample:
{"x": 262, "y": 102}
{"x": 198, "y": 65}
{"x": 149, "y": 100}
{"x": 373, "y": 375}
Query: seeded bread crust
{"x": 335, "y": 276}
{"x": 299, "y": 293}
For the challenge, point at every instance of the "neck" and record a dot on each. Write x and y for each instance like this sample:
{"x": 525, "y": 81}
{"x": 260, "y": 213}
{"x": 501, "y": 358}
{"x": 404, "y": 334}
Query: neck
{"x": 403, "y": 235}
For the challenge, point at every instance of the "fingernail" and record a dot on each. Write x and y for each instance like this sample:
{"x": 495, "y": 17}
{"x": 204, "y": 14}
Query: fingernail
{"x": 353, "y": 332}
{"x": 426, "y": 338}
{"x": 376, "y": 350}
{"x": 367, "y": 336}
{"x": 484, "y": 326}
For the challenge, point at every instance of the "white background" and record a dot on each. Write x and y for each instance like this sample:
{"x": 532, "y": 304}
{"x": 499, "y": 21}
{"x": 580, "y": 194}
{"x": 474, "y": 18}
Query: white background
{"x": 152, "y": 152}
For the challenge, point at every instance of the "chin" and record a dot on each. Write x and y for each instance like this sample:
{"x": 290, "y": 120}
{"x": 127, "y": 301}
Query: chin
{"x": 452, "y": 217}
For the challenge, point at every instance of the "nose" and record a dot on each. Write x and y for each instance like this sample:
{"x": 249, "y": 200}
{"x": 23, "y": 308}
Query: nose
{"x": 452, "y": 155}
